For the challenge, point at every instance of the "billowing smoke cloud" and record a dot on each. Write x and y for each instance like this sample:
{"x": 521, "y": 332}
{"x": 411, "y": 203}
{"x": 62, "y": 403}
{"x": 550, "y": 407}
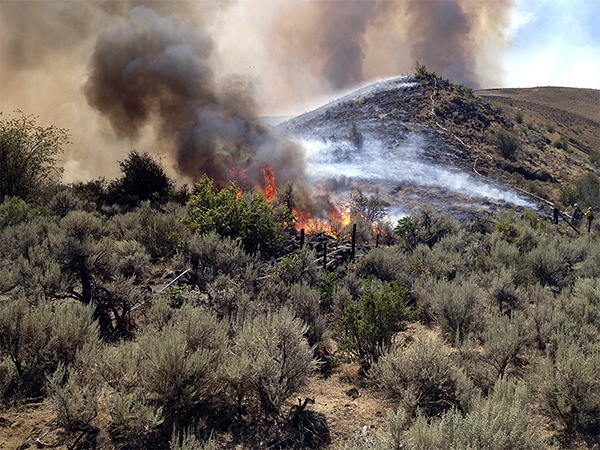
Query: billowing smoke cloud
{"x": 343, "y": 40}
{"x": 448, "y": 36}
{"x": 148, "y": 69}
{"x": 186, "y": 87}
{"x": 442, "y": 33}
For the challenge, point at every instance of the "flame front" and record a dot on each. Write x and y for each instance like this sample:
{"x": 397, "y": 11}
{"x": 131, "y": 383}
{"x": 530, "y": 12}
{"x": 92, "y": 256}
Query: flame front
{"x": 270, "y": 189}
{"x": 333, "y": 227}
{"x": 338, "y": 219}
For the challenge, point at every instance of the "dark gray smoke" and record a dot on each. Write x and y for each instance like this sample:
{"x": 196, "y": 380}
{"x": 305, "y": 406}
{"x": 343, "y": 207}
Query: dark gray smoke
{"x": 442, "y": 39}
{"x": 445, "y": 35}
{"x": 149, "y": 69}
{"x": 344, "y": 25}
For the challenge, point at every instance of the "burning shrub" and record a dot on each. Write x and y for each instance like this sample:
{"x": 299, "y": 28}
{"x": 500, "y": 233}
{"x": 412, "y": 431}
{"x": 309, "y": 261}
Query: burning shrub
{"x": 228, "y": 213}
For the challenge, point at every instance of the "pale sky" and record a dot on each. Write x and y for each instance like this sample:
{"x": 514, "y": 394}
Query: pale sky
{"x": 553, "y": 43}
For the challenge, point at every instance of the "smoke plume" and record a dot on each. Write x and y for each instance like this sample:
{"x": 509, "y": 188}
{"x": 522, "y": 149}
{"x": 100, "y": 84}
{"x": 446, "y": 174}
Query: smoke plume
{"x": 148, "y": 69}
{"x": 189, "y": 78}
{"x": 352, "y": 37}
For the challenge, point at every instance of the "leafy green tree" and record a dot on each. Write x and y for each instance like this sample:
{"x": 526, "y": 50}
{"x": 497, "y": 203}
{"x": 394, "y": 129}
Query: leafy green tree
{"x": 28, "y": 156}
{"x": 251, "y": 219}
{"x": 143, "y": 177}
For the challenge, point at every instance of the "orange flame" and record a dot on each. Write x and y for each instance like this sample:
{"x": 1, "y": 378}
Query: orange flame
{"x": 334, "y": 227}
{"x": 270, "y": 189}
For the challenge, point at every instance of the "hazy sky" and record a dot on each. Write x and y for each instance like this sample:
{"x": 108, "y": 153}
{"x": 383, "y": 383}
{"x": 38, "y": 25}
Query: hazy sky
{"x": 553, "y": 42}
{"x": 68, "y": 61}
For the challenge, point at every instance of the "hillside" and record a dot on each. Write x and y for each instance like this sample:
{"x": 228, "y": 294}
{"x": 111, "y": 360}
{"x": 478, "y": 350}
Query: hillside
{"x": 421, "y": 140}
{"x": 573, "y": 112}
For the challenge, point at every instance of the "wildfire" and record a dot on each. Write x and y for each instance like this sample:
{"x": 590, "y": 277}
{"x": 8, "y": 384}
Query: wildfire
{"x": 270, "y": 189}
{"x": 339, "y": 221}
{"x": 338, "y": 218}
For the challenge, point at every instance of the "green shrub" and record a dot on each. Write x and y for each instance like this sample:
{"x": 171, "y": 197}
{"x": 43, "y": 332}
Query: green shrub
{"x": 228, "y": 299}
{"x": 503, "y": 291}
{"x": 457, "y": 308}
{"x": 272, "y": 359}
{"x": 76, "y": 247}
{"x": 306, "y": 303}
{"x": 134, "y": 422}
{"x": 75, "y": 399}
{"x": 178, "y": 371}
{"x": 368, "y": 324}
{"x": 161, "y": 232}
{"x": 299, "y": 267}
{"x": 519, "y": 117}
{"x": 130, "y": 258}
{"x": 498, "y": 422}
{"x": 504, "y": 339}
{"x": 561, "y": 143}
{"x": 252, "y": 220}
{"x": 425, "y": 227}
{"x": 14, "y": 210}
{"x": 507, "y": 144}
{"x": 423, "y": 377}
{"x": 384, "y": 263}
{"x": 568, "y": 388}
{"x": 552, "y": 262}
{"x": 38, "y": 338}
{"x": 212, "y": 256}
{"x": 186, "y": 440}
{"x": 65, "y": 200}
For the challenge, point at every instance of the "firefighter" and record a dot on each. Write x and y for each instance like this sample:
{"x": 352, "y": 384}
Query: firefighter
{"x": 577, "y": 216}
{"x": 589, "y": 215}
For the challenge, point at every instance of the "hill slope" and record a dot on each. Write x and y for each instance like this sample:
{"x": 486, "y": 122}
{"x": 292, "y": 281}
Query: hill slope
{"x": 419, "y": 140}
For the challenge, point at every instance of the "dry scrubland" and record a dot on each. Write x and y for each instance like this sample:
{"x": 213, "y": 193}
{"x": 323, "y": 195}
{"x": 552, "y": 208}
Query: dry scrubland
{"x": 480, "y": 334}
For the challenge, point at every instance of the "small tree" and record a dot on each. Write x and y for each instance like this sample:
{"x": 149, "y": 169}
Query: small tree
{"x": 368, "y": 324}
{"x": 372, "y": 207}
{"x": 28, "y": 156}
{"x": 143, "y": 177}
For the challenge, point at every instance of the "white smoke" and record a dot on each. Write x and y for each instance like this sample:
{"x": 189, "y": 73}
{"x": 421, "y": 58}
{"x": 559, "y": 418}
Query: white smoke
{"x": 405, "y": 164}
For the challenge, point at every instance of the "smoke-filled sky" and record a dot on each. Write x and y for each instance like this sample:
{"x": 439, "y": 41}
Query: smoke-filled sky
{"x": 185, "y": 79}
